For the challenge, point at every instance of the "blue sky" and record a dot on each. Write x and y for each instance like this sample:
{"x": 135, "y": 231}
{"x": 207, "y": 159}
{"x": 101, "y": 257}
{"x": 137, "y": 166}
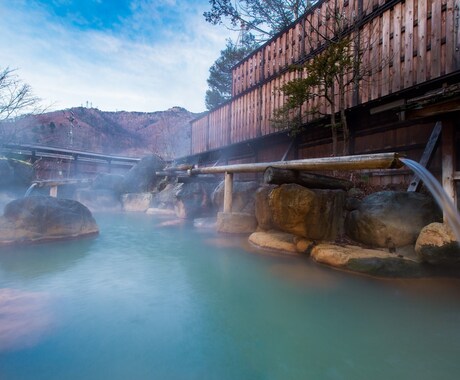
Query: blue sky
{"x": 133, "y": 55}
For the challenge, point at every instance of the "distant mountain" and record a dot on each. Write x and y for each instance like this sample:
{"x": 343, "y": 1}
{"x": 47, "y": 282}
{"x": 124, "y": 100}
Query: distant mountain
{"x": 166, "y": 133}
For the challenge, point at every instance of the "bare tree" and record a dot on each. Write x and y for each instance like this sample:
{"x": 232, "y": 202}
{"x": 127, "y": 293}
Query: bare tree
{"x": 16, "y": 98}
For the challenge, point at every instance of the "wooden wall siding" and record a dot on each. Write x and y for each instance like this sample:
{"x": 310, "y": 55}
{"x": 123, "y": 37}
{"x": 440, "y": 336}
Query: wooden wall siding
{"x": 199, "y": 138}
{"x": 409, "y": 136}
{"x": 274, "y": 153}
{"x": 404, "y": 43}
{"x": 218, "y": 134}
{"x": 421, "y": 31}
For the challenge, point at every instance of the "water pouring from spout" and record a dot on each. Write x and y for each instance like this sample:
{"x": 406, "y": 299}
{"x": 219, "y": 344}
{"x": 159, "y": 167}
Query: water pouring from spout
{"x": 29, "y": 190}
{"x": 452, "y": 216}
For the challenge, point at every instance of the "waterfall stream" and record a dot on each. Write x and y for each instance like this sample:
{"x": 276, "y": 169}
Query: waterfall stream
{"x": 451, "y": 213}
{"x": 29, "y": 190}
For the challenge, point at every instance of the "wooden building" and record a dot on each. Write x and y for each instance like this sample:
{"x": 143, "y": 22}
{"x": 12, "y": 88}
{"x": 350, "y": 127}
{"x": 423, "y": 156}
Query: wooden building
{"x": 412, "y": 48}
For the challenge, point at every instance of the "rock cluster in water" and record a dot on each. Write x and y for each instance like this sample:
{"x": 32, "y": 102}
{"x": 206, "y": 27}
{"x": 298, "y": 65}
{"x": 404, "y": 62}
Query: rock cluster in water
{"x": 42, "y": 218}
{"x": 387, "y": 233}
{"x": 340, "y": 227}
{"x": 381, "y": 229}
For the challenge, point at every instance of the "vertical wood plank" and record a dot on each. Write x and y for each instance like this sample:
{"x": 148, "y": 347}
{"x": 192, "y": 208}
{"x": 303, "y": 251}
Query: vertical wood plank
{"x": 375, "y": 82}
{"x": 408, "y": 42}
{"x": 435, "y": 39}
{"x": 397, "y": 24}
{"x": 422, "y": 40}
{"x": 385, "y": 58}
{"x": 457, "y": 36}
{"x": 267, "y": 61}
{"x": 366, "y": 69}
{"x": 228, "y": 130}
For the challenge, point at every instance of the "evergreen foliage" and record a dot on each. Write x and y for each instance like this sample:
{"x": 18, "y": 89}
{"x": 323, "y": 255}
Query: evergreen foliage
{"x": 257, "y": 21}
{"x": 220, "y": 73}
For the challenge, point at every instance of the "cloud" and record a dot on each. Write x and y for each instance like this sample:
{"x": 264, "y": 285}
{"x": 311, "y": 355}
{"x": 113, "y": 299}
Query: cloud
{"x": 112, "y": 69}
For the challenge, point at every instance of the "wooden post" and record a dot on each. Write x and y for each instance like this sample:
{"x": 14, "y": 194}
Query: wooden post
{"x": 228, "y": 192}
{"x": 448, "y": 157}
{"x": 53, "y": 191}
{"x": 75, "y": 164}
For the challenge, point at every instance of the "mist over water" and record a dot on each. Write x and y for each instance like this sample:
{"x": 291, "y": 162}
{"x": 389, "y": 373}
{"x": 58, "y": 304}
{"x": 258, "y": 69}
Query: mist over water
{"x": 143, "y": 302}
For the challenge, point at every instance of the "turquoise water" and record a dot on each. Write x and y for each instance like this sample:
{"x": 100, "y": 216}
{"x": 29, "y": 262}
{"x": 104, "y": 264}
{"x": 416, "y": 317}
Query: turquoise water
{"x": 147, "y": 302}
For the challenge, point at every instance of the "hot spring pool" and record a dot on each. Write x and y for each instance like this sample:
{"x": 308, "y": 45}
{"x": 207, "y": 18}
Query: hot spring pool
{"x": 142, "y": 302}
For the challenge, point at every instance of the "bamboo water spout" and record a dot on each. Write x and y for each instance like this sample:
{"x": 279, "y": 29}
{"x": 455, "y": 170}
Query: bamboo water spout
{"x": 358, "y": 162}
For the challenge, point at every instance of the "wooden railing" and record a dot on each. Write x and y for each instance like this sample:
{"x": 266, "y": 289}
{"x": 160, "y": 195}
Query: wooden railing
{"x": 404, "y": 43}
{"x": 52, "y": 162}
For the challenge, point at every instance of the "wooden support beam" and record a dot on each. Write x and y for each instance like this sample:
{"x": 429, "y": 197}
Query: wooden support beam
{"x": 53, "y": 191}
{"x": 288, "y": 150}
{"x": 75, "y": 164}
{"x": 197, "y": 178}
{"x": 448, "y": 157}
{"x": 435, "y": 109}
{"x": 427, "y": 155}
{"x": 228, "y": 192}
{"x": 68, "y": 181}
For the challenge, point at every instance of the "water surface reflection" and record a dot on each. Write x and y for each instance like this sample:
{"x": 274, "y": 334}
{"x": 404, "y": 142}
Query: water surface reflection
{"x": 141, "y": 301}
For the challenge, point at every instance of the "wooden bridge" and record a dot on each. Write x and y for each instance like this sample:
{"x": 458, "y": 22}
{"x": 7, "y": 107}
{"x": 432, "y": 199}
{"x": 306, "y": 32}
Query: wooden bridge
{"x": 51, "y": 162}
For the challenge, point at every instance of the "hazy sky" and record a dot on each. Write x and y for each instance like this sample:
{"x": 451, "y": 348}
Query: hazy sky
{"x": 133, "y": 55}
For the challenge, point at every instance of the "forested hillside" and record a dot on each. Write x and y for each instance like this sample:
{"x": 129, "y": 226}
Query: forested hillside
{"x": 166, "y": 133}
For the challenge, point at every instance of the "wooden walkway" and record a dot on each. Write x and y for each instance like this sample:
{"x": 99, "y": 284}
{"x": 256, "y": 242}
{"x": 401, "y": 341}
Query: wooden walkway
{"x": 38, "y": 151}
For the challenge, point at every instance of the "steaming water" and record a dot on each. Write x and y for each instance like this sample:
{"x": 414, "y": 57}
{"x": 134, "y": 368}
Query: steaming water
{"x": 450, "y": 211}
{"x": 143, "y": 302}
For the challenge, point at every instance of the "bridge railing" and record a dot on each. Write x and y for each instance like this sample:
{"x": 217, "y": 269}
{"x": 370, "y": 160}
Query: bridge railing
{"x": 57, "y": 162}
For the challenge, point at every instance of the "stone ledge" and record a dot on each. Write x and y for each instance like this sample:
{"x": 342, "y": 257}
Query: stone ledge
{"x": 236, "y": 223}
{"x": 280, "y": 241}
{"x": 368, "y": 261}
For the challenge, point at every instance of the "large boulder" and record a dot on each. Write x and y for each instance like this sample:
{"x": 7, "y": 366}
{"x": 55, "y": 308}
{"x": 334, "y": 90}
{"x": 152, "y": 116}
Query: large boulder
{"x": 193, "y": 200}
{"x": 136, "y": 202}
{"x": 262, "y": 207}
{"x": 243, "y": 196}
{"x": 109, "y": 181}
{"x": 310, "y": 213}
{"x": 41, "y": 218}
{"x": 437, "y": 245}
{"x": 142, "y": 177}
{"x": 391, "y": 218}
{"x": 368, "y": 261}
{"x": 166, "y": 198}
{"x": 98, "y": 199}
{"x": 7, "y": 197}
